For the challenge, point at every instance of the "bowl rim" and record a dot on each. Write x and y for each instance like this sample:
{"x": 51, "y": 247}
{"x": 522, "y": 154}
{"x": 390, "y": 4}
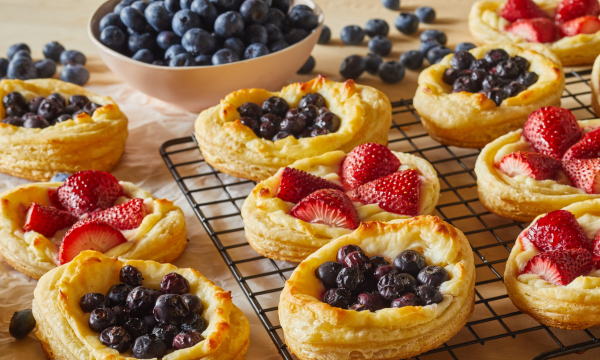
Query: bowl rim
{"x": 99, "y": 44}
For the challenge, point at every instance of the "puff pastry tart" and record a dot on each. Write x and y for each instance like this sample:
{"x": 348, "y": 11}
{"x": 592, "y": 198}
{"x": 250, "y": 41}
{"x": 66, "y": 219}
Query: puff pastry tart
{"x": 408, "y": 284}
{"x": 150, "y": 310}
{"x": 595, "y": 85}
{"x": 253, "y": 132}
{"x": 472, "y": 97}
{"x": 551, "y": 163}
{"x": 43, "y": 225}
{"x": 553, "y": 273}
{"x": 569, "y": 28}
{"x": 304, "y": 206}
{"x": 48, "y": 126}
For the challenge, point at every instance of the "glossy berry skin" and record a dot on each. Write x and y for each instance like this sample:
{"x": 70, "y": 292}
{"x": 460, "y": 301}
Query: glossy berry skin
{"x": 21, "y": 68}
{"x": 373, "y": 300}
{"x": 49, "y": 109}
{"x": 254, "y": 11}
{"x": 92, "y": 301}
{"x": 130, "y": 275}
{"x": 328, "y": 272}
{"x": 380, "y": 45}
{"x": 194, "y": 303}
{"x": 122, "y": 313}
{"x": 113, "y": 37}
{"x": 173, "y": 51}
{"x": 174, "y": 283}
{"x": 350, "y": 278}
{"x": 158, "y": 17}
{"x": 428, "y": 295}
{"x": 450, "y": 75}
{"x": 14, "y": 99}
{"x": 140, "y": 300}
{"x": 198, "y": 41}
{"x": 384, "y": 270}
{"x": 375, "y": 27}
{"x": 165, "y": 39}
{"x": 391, "y": 4}
{"x": 181, "y": 60}
{"x": 410, "y": 262}
{"x": 329, "y": 121}
{"x": 12, "y": 120}
{"x": 187, "y": 339}
{"x": 229, "y": 24}
{"x": 102, "y": 318}
{"x": 268, "y": 130}
{"x": 372, "y": 62}
{"x": 436, "y": 35}
{"x": 250, "y": 110}
{"x": 293, "y": 125}
{"x": 412, "y": 59}
{"x": 144, "y": 55}
{"x": 514, "y": 88}
{"x": 528, "y": 78}
{"x": 465, "y": 46}
{"x": 359, "y": 260}
{"x": 408, "y": 299}
{"x": 36, "y": 122}
{"x": 76, "y": 74}
{"x": 315, "y": 99}
{"x": 409, "y": 282}
{"x": 59, "y": 177}
{"x": 360, "y": 307}
{"x": 117, "y": 338}
{"x": 462, "y": 60}
{"x": 390, "y": 286}
{"x": 478, "y": 76}
{"x": 170, "y": 309}
{"x": 148, "y": 347}
{"x": 117, "y": 294}
{"x": 425, "y": 46}
{"x": 497, "y": 95}
{"x": 352, "y": 67}
{"x": 522, "y": 63}
{"x": 464, "y": 83}
{"x": 136, "y": 327}
{"x": 352, "y": 35}
{"x": 496, "y": 56}
{"x": 303, "y": 19}
{"x": 437, "y": 53}
{"x": 172, "y": 5}
{"x": 507, "y": 69}
{"x": 12, "y": 50}
{"x": 308, "y": 66}
{"x": 406, "y": 23}
{"x": 275, "y": 105}
{"x": 425, "y": 14}
{"x": 184, "y": 20}
{"x": 14, "y": 111}
{"x": 480, "y": 64}
{"x": 339, "y": 298}
{"x": 433, "y": 276}
{"x": 344, "y": 251}
{"x": 224, "y": 56}
{"x": 236, "y": 45}
{"x": 194, "y": 322}
{"x": 110, "y": 19}
{"x": 256, "y": 50}
{"x": 166, "y": 333}
{"x": 391, "y": 72}
{"x": 491, "y": 81}
{"x": 52, "y": 50}
{"x": 133, "y": 19}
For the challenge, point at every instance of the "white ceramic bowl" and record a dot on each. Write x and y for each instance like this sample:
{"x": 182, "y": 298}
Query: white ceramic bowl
{"x": 199, "y": 87}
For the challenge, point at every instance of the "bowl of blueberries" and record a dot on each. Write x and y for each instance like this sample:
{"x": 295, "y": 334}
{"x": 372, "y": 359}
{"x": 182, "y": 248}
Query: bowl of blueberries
{"x": 191, "y": 53}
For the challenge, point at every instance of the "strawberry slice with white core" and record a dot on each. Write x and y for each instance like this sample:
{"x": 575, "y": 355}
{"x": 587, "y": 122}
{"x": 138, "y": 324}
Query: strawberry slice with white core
{"x": 522, "y": 9}
{"x": 89, "y": 235}
{"x": 47, "y": 220}
{"x": 86, "y": 191}
{"x": 560, "y": 267}
{"x": 586, "y": 148}
{"x": 296, "y": 184}
{"x": 583, "y": 173}
{"x": 557, "y": 230}
{"x": 328, "y": 206}
{"x": 581, "y": 25}
{"x": 368, "y": 162}
{"x": 535, "y": 165}
{"x": 552, "y": 130}
{"x": 538, "y": 30}
{"x": 126, "y": 216}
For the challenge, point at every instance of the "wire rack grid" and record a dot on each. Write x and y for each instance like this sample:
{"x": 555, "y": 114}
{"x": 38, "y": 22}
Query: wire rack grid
{"x": 217, "y": 198}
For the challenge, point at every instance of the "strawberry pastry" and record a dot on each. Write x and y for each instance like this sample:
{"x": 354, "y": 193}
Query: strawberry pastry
{"x": 48, "y": 224}
{"x": 553, "y": 162}
{"x": 553, "y": 272}
{"x": 315, "y": 200}
{"x": 570, "y": 28}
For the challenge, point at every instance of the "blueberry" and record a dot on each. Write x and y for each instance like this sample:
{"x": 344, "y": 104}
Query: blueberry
{"x": 206, "y": 11}
{"x": 277, "y": 18}
{"x": 256, "y": 34}
{"x": 325, "y": 35}
{"x": 359, "y": 260}
{"x": 514, "y": 88}
{"x": 236, "y": 45}
{"x": 224, "y": 56}
{"x": 256, "y": 50}
{"x": 102, "y": 318}
{"x": 372, "y": 62}
{"x": 136, "y": 327}
{"x": 410, "y": 262}
{"x": 345, "y": 250}
{"x": 173, "y": 51}
{"x": 318, "y": 131}
{"x": 58, "y": 98}
{"x": 352, "y": 35}
{"x": 72, "y": 56}
{"x": 61, "y": 177}
{"x": 129, "y": 275}
{"x": 198, "y": 41}
{"x": 52, "y": 50}
{"x": 251, "y": 123}
{"x": 328, "y": 272}
{"x": 185, "y": 4}
{"x": 121, "y": 5}
{"x": 508, "y": 69}
{"x": 267, "y": 2}
{"x": 464, "y": 46}
{"x": 160, "y": 62}
{"x": 409, "y": 282}
{"x": 350, "y": 278}
{"x": 165, "y": 39}
{"x": 462, "y": 60}
{"x": 187, "y": 339}
{"x": 91, "y": 301}
{"x": 275, "y": 105}
{"x": 391, "y": 4}
{"x": 478, "y": 76}
{"x": 408, "y": 299}
{"x": 172, "y": 5}
{"x": 140, "y": 300}
{"x": 166, "y": 333}
{"x": 3, "y": 67}
{"x": 372, "y": 300}
{"x": 301, "y": 7}
{"x": 480, "y": 64}
{"x": 122, "y": 312}
{"x": 138, "y": 41}
{"x": 194, "y": 303}
{"x": 203, "y": 60}
{"x": 491, "y": 81}
{"x": 45, "y": 68}
{"x": 528, "y": 78}
{"x": 436, "y": 35}
{"x": 12, "y": 50}
{"x": 117, "y": 338}
{"x": 522, "y": 63}
{"x": 158, "y": 17}
{"x": 406, "y": 23}
{"x": 62, "y": 118}
{"x": 309, "y": 113}
{"x": 133, "y": 19}
{"x": 149, "y": 320}
{"x": 273, "y": 34}
{"x": 268, "y": 129}
{"x": 390, "y": 286}
{"x": 339, "y": 298}
{"x": 295, "y": 35}
{"x": 384, "y": 270}
{"x": 12, "y": 120}
{"x": 278, "y": 46}
{"x": 148, "y": 347}
{"x": 427, "y": 45}
{"x": 360, "y": 307}
{"x": 250, "y": 110}
{"x": 254, "y": 11}
{"x": 318, "y": 100}
{"x": 308, "y": 66}
{"x": 184, "y": 20}
{"x": 139, "y": 5}
{"x": 303, "y": 19}
{"x": 281, "y": 5}
{"x": 229, "y": 24}
{"x": 113, "y": 37}
{"x": 144, "y": 55}
{"x": 497, "y": 95}
{"x": 225, "y": 5}
{"x": 89, "y": 108}
{"x": 391, "y": 72}
{"x": 496, "y": 56}
{"x": 174, "y": 283}
{"x": 14, "y": 111}
{"x": 21, "y": 53}
{"x": 425, "y": 14}
{"x": 170, "y": 309}
{"x": 412, "y": 59}
{"x": 352, "y": 67}
{"x": 21, "y": 68}
{"x": 437, "y": 53}
{"x": 15, "y": 99}
{"x": 380, "y": 45}
{"x": 375, "y": 27}
{"x": 428, "y": 295}
{"x": 194, "y": 322}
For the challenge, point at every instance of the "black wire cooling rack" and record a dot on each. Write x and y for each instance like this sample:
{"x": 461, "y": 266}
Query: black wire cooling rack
{"x": 217, "y": 198}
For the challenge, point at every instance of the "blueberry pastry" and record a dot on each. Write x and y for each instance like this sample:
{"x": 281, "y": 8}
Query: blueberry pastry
{"x": 49, "y": 126}
{"x": 316, "y": 200}
{"x": 99, "y": 307}
{"x": 472, "y": 97}
{"x": 552, "y": 162}
{"x": 253, "y": 132}
{"x": 44, "y": 225}
{"x": 553, "y": 272}
{"x": 387, "y": 291}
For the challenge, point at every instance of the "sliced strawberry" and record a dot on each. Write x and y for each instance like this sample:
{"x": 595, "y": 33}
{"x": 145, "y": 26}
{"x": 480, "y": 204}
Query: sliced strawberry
{"x": 596, "y": 251}
{"x": 47, "y": 220}
{"x": 552, "y": 130}
{"x": 560, "y": 267}
{"x": 522, "y": 9}
{"x": 572, "y": 9}
{"x": 54, "y": 200}
{"x": 86, "y": 191}
{"x": 89, "y": 235}
{"x": 296, "y": 184}
{"x": 125, "y": 216}
{"x": 586, "y": 148}
{"x": 557, "y": 230}
{"x": 368, "y": 162}
{"x": 397, "y": 193}
{"x": 327, "y": 206}
{"x": 581, "y": 25}
{"x": 538, "y": 30}
{"x": 583, "y": 173}
{"x": 535, "y": 165}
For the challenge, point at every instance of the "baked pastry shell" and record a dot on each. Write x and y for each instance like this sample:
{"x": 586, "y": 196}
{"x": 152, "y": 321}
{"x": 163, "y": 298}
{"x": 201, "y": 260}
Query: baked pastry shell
{"x": 63, "y": 327}
{"x": 85, "y": 143}
{"x": 563, "y": 307}
{"x": 315, "y": 330}
{"x": 522, "y": 200}
{"x": 296, "y": 239}
{"x": 595, "y": 85}
{"x": 160, "y": 237}
{"x": 234, "y": 149}
{"x": 472, "y": 120}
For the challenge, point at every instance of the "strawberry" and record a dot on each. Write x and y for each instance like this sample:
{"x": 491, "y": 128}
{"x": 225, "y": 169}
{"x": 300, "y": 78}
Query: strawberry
{"x": 538, "y": 30}
{"x": 47, "y": 220}
{"x": 368, "y": 162}
{"x": 535, "y": 165}
{"x": 560, "y": 267}
{"x": 557, "y": 230}
{"x": 581, "y": 25}
{"x": 552, "y": 131}
{"x": 327, "y": 206}
{"x": 397, "y": 193}
{"x": 586, "y": 148}
{"x": 86, "y": 191}
{"x": 522, "y": 9}
{"x": 296, "y": 184}
{"x": 125, "y": 216}
{"x": 572, "y": 9}
{"x": 583, "y": 173}
{"x": 89, "y": 235}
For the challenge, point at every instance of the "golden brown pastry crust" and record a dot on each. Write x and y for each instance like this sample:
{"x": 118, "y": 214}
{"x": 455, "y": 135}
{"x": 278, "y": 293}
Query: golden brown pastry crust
{"x": 161, "y": 236}
{"x": 274, "y": 234}
{"x": 485, "y": 24}
{"x": 233, "y": 148}
{"x": 571, "y": 307}
{"x": 595, "y": 85}
{"x": 516, "y": 198}
{"x": 315, "y": 330}
{"x": 85, "y": 143}
{"x": 62, "y": 326}
{"x": 471, "y": 119}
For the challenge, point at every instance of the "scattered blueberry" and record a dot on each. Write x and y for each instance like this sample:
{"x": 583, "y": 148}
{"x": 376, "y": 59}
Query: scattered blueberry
{"x": 406, "y": 23}
{"x": 52, "y": 50}
{"x": 325, "y": 35}
{"x": 21, "y": 324}
{"x": 391, "y": 72}
{"x": 45, "y": 68}
{"x": 391, "y": 4}
{"x": 352, "y": 35}
{"x": 437, "y": 53}
{"x": 352, "y": 67}
{"x": 412, "y": 59}
{"x": 3, "y": 67}
{"x": 380, "y": 45}
{"x": 465, "y": 46}
{"x": 427, "y": 45}
{"x": 375, "y": 27}
{"x": 72, "y": 56}
{"x": 372, "y": 62}
{"x": 21, "y": 68}
{"x": 21, "y": 53}
{"x": 308, "y": 66}
{"x": 425, "y": 14}
{"x": 12, "y": 50}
